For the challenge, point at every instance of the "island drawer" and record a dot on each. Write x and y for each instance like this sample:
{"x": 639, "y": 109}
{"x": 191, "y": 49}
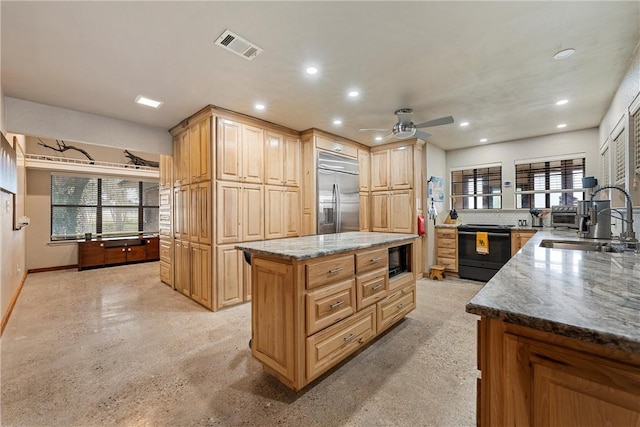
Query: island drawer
{"x": 371, "y": 287}
{"x": 332, "y": 345}
{"x": 329, "y": 270}
{"x": 395, "y": 307}
{"x": 330, "y": 304}
{"x": 369, "y": 260}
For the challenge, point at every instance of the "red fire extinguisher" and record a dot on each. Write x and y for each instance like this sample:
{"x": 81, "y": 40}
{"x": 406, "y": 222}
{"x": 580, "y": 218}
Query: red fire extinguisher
{"x": 420, "y": 225}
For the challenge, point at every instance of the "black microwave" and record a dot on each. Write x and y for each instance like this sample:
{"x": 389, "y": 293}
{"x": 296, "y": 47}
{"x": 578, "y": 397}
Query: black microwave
{"x": 398, "y": 260}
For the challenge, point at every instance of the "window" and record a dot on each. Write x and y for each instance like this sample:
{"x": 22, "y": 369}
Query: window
{"x": 102, "y": 206}
{"x": 477, "y": 188}
{"x": 605, "y": 167}
{"x": 544, "y": 184}
{"x": 619, "y": 143}
{"x": 636, "y": 138}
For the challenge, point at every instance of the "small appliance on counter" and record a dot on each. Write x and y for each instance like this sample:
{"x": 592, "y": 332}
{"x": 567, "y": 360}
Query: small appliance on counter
{"x": 600, "y": 209}
{"x": 564, "y": 216}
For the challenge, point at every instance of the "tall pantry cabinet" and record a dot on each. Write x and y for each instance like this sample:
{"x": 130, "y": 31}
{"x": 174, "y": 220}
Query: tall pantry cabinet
{"x": 225, "y": 192}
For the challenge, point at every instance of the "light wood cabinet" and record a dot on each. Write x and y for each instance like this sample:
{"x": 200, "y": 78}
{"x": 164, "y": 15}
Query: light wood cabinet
{"x": 200, "y": 220}
{"x": 282, "y": 212}
{"x": 380, "y": 211}
{"x": 182, "y": 269}
{"x": 240, "y": 152}
{"x": 181, "y": 158}
{"x": 282, "y": 165}
{"x": 447, "y": 248}
{"x": 199, "y": 149}
{"x": 401, "y": 216}
{"x": 336, "y": 146}
{"x": 364, "y": 169}
{"x": 536, "y": 378}
{"x": 379, "y": 170}
{"x": 181, "y": 212}
{"x": 200, "y": 270}
{"x": 519, "y": 238}
{"x": 326, "y": 308}
{"x": 240, "y": 212}
{"x": 401, "y": 168}
{"x": 365, "y": 212}
{"x": 230, "y": 287}
{"x": 166, "y": 171}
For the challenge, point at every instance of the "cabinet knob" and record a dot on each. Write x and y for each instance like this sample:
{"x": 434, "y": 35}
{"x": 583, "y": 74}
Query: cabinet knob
{"x": 123, "y": 249}
{"x": 101, "y": 244}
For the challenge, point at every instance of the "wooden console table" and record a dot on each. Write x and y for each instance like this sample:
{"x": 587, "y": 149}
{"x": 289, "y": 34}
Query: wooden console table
{"x": 103, "y": 253}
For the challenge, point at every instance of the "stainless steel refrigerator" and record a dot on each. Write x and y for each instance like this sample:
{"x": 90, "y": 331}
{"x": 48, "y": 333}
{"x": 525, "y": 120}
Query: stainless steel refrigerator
{"x": 338, "y": 194}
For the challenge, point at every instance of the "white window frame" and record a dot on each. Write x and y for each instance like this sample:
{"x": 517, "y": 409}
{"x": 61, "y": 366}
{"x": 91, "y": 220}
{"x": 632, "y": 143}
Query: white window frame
{"x": 477, "y": 195}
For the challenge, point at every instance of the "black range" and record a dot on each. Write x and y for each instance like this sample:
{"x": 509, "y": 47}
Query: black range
{"x": 479, "y": 266}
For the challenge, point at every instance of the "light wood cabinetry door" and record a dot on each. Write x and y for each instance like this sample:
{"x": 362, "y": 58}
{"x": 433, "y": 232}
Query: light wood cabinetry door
{"x": 252, "y": 223}
{"x": 252, "y": 155}
{"x": 334, "y": 146}
{"x": 379, "y": 170}
{"x": 401, "y": 212}
{"x": 447, "y": 248}
{"x": 364, "y": 169}
{"x": 246, "y": 278}
{"x": 272, "y": 317}
{"x": 519, "y": 238}
{"x": 380, "y": 211}
{"x": 365, "y": 212}
{"x": 229, "y": 211}
{"x": 230, "y": 273}
{"x": 182, "y": 270}
{"x": 181, "y": 158}
{"x": 228, "y": 146}
{"x": 283, "y": 159}
{"x": 181, "y": 212}
{"x": 200, "y": 213}
{"x": 401, "y": 168}
{"x": 282, "y": 212}
{"x": 200, "y": 143}
{"x": 291, "y": 173}
{"x": 166, "y": 171}
{"x": 201, "y": 262}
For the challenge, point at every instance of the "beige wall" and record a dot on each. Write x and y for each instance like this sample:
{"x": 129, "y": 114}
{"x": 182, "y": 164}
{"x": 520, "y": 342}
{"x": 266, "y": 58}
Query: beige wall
{"x": 12, "y": 242}
{"x": 436, "y": 166}
{"x": 560, "y": 144}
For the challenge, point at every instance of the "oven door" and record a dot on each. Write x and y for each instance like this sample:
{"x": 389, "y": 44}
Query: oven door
{"x": 472, "y": 265}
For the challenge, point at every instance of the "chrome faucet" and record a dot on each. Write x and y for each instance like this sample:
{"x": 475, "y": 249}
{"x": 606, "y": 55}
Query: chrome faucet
{"x": 629, "y": 235}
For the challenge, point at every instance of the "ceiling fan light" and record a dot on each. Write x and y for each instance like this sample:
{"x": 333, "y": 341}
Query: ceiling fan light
{"x": 565, "y": 53}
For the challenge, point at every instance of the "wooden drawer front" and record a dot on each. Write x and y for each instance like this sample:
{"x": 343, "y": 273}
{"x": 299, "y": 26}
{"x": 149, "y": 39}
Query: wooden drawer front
{"x": 447, "y": 243}
{"x": 330, "y": 346}
{"x": 447, "y": 252}
{"x": 332, "y": 270}
{"x": 369, "y": 260}
{"x": 166, "y": 250}
{"x": 330, "y": 304}
{"x": 446, "y": 233}
{"x": 395, "y": 307}
{"x": 115, "y": 255}
{"x": 448, "y": 263}
{"x": 165, "y": 198}
{"x": 400, "y": 281}
{"x": 336, "y": 147}
{"x": 371, "y": 287}
{"x": 137, "y": 253}
{"x": 165, "y": 273}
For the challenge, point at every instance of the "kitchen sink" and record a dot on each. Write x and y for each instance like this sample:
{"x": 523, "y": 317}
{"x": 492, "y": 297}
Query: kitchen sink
{"x": 581, "y": 245}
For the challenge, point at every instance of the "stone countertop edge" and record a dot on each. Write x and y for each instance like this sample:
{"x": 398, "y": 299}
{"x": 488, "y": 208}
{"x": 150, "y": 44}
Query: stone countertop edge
{"x": 319, "y": 245}
{"x": 589, "y": 296}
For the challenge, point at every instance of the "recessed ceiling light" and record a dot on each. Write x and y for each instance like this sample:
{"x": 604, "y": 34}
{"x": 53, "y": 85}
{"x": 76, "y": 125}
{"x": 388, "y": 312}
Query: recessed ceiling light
{"x": 378, "y": 138}
{"x": 564, "y": 53}
{"x": 312, "y": 70}
{"x": 353, "y": 94}
{"x": 562, "y": 102}
{"x": 463, "y": 124}
{"x": 337, "y": 122}
{"x": 483, "y": 140}
{"x": 142, "y": 100}
{"x": 562, "y": 125}
{"x": 259, "y": 106}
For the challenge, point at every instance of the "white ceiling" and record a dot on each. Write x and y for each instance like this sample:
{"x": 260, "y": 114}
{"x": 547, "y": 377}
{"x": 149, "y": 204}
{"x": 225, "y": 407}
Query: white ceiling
{"x": 489, "y": 63}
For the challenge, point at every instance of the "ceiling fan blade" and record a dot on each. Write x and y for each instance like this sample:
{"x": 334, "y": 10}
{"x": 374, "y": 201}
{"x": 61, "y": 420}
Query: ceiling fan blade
{"x": 388, "y": 137}
{"x": 373, "y": 130}
{"x": 436, "y": 122}
{"x": 422, "y": 135}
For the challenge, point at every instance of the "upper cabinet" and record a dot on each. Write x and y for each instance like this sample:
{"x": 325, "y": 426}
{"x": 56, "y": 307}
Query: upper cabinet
{"x": 364, "y": 169}
{"x": 336, "y": 146}
{"x": 282, "y": 165}
{"x": 181, "y": 155}
{"x": 240, "y": 151}
{"x": 199, "y": 151}
{"x": 166, "y": 171}
{"x": 392, "y": 169}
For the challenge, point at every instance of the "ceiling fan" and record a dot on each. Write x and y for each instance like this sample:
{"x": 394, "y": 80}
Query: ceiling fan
{"x": 405, "y": 128}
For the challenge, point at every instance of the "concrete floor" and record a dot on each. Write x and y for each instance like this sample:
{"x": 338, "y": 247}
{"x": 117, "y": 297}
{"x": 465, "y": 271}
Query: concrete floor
{"x": 115, "y": 346}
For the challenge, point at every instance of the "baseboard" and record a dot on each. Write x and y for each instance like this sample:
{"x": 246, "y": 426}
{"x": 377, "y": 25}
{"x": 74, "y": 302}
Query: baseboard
{"x": 12, "y": 303}
{"x": 45, "y": 269}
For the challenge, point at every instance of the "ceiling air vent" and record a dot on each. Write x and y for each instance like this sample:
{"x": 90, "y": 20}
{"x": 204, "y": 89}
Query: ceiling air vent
{"x": 238, "y": 45}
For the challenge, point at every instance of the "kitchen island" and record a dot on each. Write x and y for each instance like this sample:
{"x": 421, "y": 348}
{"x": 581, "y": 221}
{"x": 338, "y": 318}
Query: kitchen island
{"x": 559, "y": 338}
{"x": 318, "y": 299}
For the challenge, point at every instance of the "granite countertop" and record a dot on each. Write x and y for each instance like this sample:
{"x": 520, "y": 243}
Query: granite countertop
{"x": 591, "y": 296}
{"x": 320, "y": 245}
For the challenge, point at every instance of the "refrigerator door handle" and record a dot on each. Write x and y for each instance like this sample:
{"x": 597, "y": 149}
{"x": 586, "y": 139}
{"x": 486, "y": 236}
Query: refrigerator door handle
{"x": 336, "y": 187}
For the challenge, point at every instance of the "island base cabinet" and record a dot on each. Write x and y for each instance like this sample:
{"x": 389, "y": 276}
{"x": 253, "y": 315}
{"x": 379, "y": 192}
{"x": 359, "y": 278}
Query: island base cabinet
{"x": 332, "y": 345}
{"x": 395, "y": 307}
{"x": 534, "y": 378}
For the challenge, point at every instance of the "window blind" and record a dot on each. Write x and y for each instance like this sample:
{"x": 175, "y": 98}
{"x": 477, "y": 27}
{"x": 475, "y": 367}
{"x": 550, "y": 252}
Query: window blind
{"x": 543, "y": 184}
{"x": 606, "y": 170}
{"x": 618, "y": 146}
{"x": 477, "y": 188}
{"x": 636, "y": 139}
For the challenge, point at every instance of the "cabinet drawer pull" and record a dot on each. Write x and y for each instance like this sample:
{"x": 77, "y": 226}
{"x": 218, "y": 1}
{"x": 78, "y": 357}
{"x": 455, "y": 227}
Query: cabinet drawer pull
{"x": 335, "y": 270}
{"x": 337, "y": 304}
{"x": 376, "y": 287}
{"x": 123, "y": 249}
{"x": 375, "y": 259}
{"x": 399, "y": 306}
{"x": 349, "y": 337}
